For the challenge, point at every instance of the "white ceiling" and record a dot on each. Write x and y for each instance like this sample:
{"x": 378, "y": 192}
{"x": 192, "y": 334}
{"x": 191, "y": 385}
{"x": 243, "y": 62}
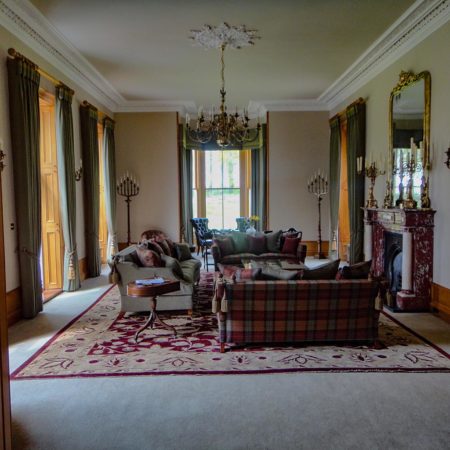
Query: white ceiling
{"x": 141, "y": 50}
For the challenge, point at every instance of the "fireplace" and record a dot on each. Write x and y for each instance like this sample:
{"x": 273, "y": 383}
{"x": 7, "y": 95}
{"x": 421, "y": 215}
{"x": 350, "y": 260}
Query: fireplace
{"x": 400, "y": 244}
{"x": 393, "y": 259}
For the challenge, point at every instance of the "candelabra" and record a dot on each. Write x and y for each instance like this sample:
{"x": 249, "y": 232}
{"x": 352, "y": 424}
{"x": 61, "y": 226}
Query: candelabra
{"x": 372, "y": 172}
{"x": 128, "y": 187}
{"x": 318, "y": 185}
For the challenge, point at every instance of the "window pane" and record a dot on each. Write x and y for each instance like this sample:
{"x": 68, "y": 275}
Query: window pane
{"x": 213, "y": 169}
{"x": 231, "y": 210}
{"x": 214, "y": 207}
{"x": 231, "y": 169}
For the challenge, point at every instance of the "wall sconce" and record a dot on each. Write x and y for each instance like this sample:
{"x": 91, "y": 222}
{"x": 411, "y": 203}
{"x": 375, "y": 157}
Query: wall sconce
{"x": 2, "y": 164}
{"x": 447, "y": 163}
{"x": 79, "y": 172}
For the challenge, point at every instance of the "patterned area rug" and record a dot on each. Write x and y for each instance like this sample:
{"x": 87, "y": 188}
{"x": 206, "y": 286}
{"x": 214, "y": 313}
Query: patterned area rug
{"x": 100, "y": 342}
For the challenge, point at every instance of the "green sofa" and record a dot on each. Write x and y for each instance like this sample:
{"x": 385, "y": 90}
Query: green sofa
{"x": 129, "y": 268}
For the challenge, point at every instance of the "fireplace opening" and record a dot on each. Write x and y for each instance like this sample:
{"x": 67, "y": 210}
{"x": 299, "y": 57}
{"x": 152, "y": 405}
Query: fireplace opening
{"x": 393, "y": 266}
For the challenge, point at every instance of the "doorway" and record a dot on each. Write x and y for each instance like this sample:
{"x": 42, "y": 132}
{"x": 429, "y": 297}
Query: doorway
{"x": 52, "y": 245}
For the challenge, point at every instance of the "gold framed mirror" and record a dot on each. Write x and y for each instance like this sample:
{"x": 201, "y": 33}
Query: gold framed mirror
{"x": 409, "y": 138}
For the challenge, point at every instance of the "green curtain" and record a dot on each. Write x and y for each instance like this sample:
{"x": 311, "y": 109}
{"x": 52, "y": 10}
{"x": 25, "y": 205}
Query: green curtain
{"x": 66, "y": 181}
{"x": 185, "y": 163}
{"x": 109, "y": 165}
{"x": 356, "y": 146}
{"x": 23, "y": 83}
{"x": 89, "y": 144}
{"x": 335, "y": 164}
{"x": 259, "y": 183}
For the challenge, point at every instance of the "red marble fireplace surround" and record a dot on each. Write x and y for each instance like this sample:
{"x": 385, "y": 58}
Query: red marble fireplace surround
{"x": 416, "y": 228}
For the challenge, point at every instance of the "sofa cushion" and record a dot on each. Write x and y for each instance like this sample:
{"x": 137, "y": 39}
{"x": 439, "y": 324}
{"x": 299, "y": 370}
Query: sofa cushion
{"x": 248, "y": 274}
{"x": 327, "y": 271}
{"x": 147, "y": 257}
{"x": 273, "y": 241}
{"x": 275, "y": 273}
{"x": 240, "y": 241}
{"x": 225, "y": 244}
{"x": 257, "y": 244}
{"x": 290, "y": 245}
{"x": 356, "y": 271}
{"x": 183, "y": 252}
{"x": 153, "y": 245}
{"x": 164, "y": 245}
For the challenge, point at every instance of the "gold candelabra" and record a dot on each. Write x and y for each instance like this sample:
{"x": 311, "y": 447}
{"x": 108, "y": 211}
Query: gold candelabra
{"x": 372, "y": 172}
{"x": 318, "y": 185}
{"x": 128, "y": 187}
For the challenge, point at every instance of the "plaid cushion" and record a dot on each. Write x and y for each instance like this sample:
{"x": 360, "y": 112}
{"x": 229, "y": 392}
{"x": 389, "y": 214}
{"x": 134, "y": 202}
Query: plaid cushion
{"x": 297, "y": 311}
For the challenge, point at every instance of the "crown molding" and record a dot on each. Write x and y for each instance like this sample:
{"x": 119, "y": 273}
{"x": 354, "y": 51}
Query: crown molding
{"x": 291, "y": 105}
{"x": 26, "y": 22}
{"x": 418, "y": 22}
{"x": 157, "y": 106}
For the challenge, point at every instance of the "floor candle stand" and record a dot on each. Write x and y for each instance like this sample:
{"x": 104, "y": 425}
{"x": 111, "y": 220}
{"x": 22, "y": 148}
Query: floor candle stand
{"x": 318, "y": 185}
{"x": 128, "y": 187}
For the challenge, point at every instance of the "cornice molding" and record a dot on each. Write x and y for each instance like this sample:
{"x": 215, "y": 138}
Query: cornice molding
{"x": 24, "y": 21}
{"x": 418, "y": 22}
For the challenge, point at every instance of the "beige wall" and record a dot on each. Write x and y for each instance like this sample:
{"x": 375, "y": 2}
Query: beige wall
{"x": 7, "y": 40}
{"x": 432, "y": 55}
{"x": 146, "y": 146}
{"x": 298, "y": 147}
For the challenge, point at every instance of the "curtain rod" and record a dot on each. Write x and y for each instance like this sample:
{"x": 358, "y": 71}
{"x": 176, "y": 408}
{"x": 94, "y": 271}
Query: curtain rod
{"x": 342, "y": 113}
{"x": 14, "y": 54}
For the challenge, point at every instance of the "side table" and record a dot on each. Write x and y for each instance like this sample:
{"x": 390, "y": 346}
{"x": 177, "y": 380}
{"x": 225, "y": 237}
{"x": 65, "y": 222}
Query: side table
{"x": 152, "y": 291}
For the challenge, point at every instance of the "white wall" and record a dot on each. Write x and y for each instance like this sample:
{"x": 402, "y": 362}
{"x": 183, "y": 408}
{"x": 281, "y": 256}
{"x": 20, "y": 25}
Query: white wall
{"x": 146, "y": 146}
{"x": 433, "y": 55}
{"x": 298, "y": 147}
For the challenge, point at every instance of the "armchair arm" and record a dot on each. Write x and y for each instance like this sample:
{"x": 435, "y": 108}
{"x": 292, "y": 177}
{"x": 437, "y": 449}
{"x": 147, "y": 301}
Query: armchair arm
{"x": 301, "y": 252}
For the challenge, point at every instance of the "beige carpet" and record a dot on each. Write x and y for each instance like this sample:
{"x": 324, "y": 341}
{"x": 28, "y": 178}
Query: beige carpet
{"x": 100, "y": 342}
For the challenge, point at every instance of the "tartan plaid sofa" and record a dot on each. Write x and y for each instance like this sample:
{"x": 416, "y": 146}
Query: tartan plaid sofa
{"x": 296, "y": 311}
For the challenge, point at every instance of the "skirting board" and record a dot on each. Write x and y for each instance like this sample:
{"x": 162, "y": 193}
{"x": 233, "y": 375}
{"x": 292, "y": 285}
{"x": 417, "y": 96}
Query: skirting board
{"x": 440, "y": 299}
{"x": 14, "y": 300}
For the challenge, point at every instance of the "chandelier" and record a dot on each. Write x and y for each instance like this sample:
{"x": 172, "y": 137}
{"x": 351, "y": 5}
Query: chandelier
{"x": 222, "y": 127}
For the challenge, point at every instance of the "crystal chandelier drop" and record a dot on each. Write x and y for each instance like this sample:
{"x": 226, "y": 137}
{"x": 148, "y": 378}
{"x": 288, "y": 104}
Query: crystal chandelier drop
{"x": 223, "y": 128}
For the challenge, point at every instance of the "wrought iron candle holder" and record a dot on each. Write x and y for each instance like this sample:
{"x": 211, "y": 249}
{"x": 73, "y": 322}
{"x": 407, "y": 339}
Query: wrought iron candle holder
{"x": 318, "y": 185}
{"x": 128, "y": 187}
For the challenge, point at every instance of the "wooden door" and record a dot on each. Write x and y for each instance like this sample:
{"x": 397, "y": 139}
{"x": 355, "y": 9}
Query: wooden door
{"x": 102, "y": 227}
{"x": 5, "y": 410}
{"x": 52, "y": 247}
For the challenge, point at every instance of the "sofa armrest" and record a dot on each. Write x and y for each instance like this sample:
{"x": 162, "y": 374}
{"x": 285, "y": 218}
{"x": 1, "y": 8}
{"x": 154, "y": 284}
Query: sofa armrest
{"x": 301, "y": 252}
{"x": 215, "y": 251}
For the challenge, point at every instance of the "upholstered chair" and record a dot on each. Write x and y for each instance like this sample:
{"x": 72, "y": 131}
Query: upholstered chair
{"x": 202, "y": 233}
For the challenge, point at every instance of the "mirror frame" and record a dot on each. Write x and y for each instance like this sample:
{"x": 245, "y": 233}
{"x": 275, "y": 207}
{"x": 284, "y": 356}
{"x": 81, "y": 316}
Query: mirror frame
{"x": 407, "y": 79}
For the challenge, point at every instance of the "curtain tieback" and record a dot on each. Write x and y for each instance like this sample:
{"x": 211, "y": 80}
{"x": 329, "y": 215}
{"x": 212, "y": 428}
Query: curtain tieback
{"x": 71, "y": 269}
{"x": 28, "y": 253}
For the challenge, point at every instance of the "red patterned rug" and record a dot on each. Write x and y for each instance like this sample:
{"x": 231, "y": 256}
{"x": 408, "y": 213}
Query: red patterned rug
{"x": 100, "y": 342}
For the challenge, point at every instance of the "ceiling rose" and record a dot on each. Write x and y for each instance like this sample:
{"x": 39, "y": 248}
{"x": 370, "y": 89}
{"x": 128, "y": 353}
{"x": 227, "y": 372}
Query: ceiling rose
{"x": 224, "y": 35}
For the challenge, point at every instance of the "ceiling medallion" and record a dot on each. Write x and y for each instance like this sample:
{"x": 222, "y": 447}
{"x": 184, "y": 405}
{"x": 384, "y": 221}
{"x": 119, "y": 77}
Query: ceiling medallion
{"x": 223, "y": 128}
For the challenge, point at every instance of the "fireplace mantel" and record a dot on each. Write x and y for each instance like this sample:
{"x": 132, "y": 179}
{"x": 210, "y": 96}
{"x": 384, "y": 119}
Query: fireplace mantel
{"x": 416, "y": 227}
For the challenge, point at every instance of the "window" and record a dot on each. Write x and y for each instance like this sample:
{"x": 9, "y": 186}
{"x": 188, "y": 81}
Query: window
{"x": 221, "y": 186}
